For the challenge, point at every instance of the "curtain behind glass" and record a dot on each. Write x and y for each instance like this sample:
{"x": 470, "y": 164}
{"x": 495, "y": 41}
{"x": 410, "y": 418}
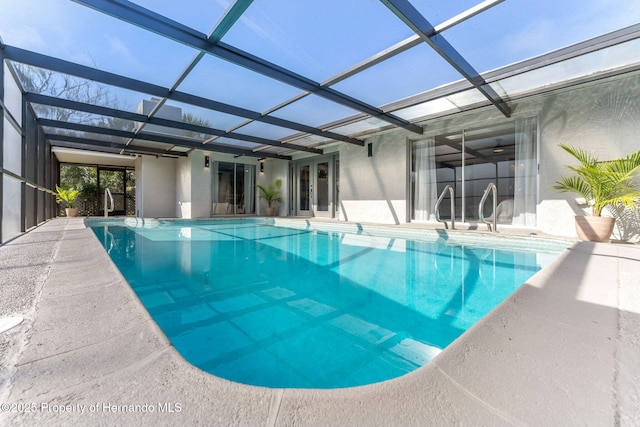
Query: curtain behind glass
{"x": 249, "y": 188}
{"x": 223, "y": 184}
{"x": 524, "y": 203}
{"x": 425, "y": 184}
{"x": 214, "y": 187}
{"x": 227, "y": 176}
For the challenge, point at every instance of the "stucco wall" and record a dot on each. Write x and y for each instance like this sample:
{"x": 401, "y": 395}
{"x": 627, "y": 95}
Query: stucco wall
{"x": 183, "y": 188}
{"x": 374, "y": 189}
{"x": 166, "y": 112}
{"x": 193, "y": 186}
{"x": 190, "y": 196}
{"x": 274, "y": 169}
{"x": 200, "y": 186}
{"x": 601, "y": 118}
{"x": 155, "y": 187}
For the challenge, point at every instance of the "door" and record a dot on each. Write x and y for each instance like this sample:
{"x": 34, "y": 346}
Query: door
{"x": 321, "y": 199}
{"x": 314, "y": 188}
{"x": 305, "y": 190}
{"x": 233, "y": 188}
{"x": 116, "y": 181}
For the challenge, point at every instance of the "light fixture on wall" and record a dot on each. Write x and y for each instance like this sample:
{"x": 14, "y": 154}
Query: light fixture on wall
{"x": 370, "y": 150}
{"x": 498, "y": 148}
{"x": 206, "y": 161}
{"x": 261, "y": 167}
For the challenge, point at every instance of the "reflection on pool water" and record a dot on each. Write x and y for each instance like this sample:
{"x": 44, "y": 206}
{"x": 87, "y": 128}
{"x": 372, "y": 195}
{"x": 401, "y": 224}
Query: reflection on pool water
{"x": 282, "y": 307}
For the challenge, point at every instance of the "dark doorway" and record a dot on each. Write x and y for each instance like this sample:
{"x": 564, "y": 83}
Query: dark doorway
{"x": 120, "y": 181}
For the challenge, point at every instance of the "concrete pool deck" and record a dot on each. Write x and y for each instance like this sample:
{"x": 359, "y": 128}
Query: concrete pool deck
{"x": 562, "y": 350}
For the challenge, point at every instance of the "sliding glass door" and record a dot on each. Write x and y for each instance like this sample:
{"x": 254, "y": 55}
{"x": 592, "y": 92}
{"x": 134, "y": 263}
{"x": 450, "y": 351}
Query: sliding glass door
{"x": 233, "y": 188}
{"x": 503, "y": 154}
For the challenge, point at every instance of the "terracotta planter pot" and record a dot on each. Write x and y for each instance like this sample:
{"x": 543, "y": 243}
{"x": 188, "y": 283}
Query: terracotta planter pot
{"x": 595, "y": 228}
{"x": 270, "y": 211}
{"x": 71, "y": 211}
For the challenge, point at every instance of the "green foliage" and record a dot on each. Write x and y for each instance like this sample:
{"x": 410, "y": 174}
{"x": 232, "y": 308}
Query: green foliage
{"x": 271, "y": 193}
{"x": 602, "y": 183}
{"x": 85, "y": 179}
{"x": 68, "y": 196}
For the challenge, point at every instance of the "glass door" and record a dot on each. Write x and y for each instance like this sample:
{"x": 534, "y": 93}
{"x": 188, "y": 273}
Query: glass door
{"x": 322, "y": 199}
{"x": 305, "y": 190}
{"x": 233, "y": 188}
{"x": 314, "y": 188}
{"x": 116, "y": 181}
{"x": 504, "y": 154}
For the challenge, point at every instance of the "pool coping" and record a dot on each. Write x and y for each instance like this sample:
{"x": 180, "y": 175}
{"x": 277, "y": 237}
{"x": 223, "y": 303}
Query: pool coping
{"x": 563, "y": 348}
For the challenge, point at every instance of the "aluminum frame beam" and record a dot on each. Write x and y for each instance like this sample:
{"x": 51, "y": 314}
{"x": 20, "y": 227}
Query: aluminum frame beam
{"x": 59, "y": 65}
{"x": 144, "y": 18}
{"x": 143, "y": 118}
{"x": 408, "y": 14}
{"x": 229, "y": 18}
{"x": 383, "y": 55}
{"x": 232, "y": 14}
{"x": 563, "y": 54}
{"x": 164, "y": 139}
{"x": 2, "y": 114}
{"x": 409, "y": 43}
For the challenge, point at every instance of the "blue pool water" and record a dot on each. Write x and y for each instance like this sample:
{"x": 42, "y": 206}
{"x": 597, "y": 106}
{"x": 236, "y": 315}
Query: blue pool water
{"x": 284, "y": 307}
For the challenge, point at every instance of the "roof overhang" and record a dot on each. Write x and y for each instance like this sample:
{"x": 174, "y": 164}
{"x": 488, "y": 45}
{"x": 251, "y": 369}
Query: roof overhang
{"x": 70, "y": 155}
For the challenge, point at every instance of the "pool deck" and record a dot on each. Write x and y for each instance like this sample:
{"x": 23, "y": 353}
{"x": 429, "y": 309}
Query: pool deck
{"x": 562, "y": 350}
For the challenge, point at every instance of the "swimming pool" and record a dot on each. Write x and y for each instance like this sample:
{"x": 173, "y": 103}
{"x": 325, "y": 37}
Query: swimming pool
{"x": 287, "y": 305}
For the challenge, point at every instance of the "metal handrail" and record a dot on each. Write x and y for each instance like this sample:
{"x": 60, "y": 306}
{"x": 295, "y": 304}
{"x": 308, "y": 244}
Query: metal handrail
{"x": 107, "y": 235}
{"x": 494, "y": 191}
{"x": 107, "y": 193}
{"x": 452, "y": 195}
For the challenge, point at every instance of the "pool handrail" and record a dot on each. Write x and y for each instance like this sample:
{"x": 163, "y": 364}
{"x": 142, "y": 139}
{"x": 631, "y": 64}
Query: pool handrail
{"x": 452, "y": 195}
{"x": 494, "y": 191}
{"x": 107, "y": 193}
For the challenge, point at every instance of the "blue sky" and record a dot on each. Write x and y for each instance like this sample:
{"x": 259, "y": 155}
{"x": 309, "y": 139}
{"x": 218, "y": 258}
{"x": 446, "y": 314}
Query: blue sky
{"x": 314, "y": 38}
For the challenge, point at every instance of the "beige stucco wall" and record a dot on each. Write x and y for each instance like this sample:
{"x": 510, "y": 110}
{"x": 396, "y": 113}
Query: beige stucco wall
{"x": 183, "y": 187}
{"x": 601, "y": 118}
{"x": 193, "y": 186}
{"x": 273, "y": 169}
{"x": 155, "y": 187}
{"x": 374, "y": 189}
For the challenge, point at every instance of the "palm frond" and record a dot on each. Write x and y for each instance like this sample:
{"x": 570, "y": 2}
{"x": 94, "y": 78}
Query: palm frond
{"x": 584, "y": 157}
{"x": 67, "y": 196}
{"x": 574, "y": 184}
{"x": 271, "y": 193}
{"x": 604, "y": 183}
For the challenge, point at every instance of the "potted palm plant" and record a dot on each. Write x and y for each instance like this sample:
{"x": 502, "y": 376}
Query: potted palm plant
{"x": 271, "y": 194}
{"x": 601, "y": 183}
{"x": 68, "y": 197}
